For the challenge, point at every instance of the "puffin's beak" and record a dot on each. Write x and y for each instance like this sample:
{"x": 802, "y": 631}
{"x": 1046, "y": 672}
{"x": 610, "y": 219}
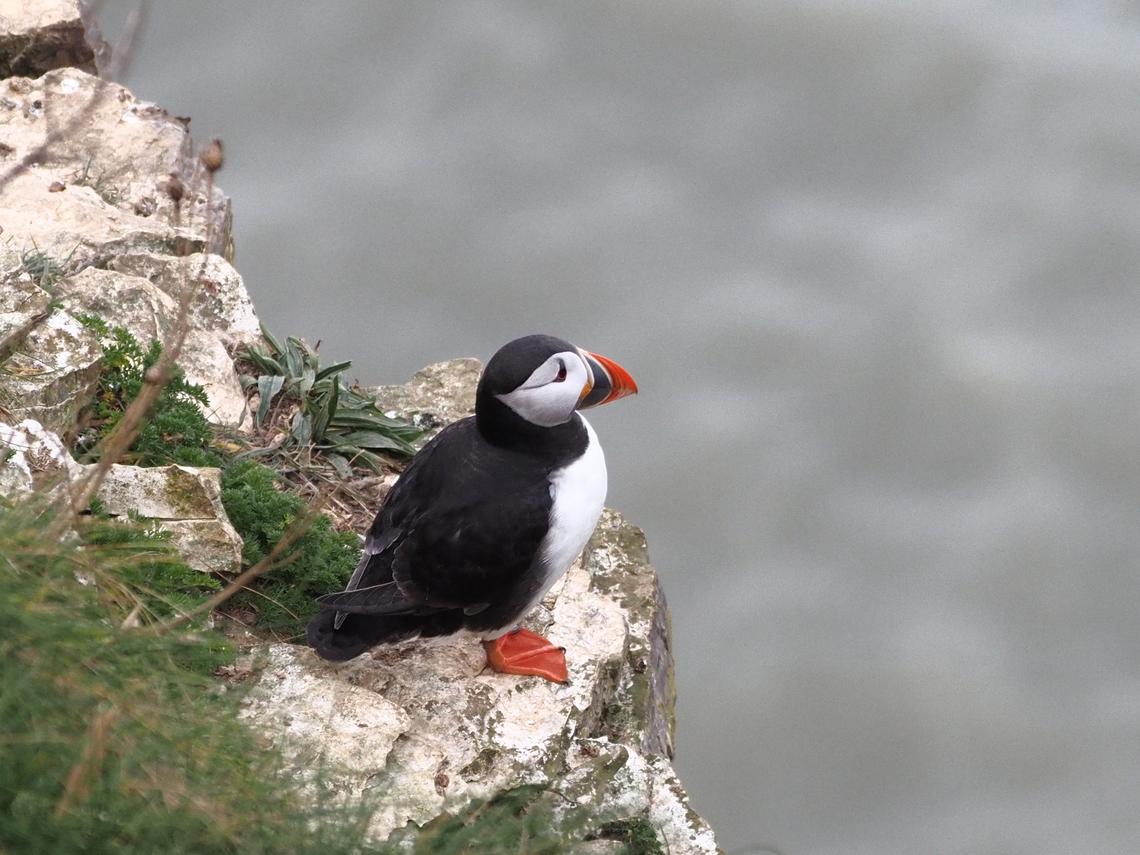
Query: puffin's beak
{"x": 610, "y": 382}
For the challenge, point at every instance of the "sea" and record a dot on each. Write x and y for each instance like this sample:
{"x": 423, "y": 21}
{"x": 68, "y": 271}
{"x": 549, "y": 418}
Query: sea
{"x": 875, "y": 266}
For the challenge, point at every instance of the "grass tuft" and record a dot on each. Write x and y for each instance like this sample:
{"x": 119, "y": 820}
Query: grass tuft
{"x": 100, "y": 183}
{"x": 116, "y": 737}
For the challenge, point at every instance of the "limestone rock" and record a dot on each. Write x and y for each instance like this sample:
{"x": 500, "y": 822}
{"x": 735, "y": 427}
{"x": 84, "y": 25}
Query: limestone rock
{"x": 52, "y": 373}
{"x": 221, "y": 304}
{"x": 138, "y": 306}
{"x": 184, "y": 500}
{"x": 489, "y": 732}
{"x": 442, "y": 393}
{"x": 39, "y": 35}
{"x": 98, "y": 187}
{"x": 27, "y": 452}
{"x": 22, "y": 305}
{"x": 618, "y": 558}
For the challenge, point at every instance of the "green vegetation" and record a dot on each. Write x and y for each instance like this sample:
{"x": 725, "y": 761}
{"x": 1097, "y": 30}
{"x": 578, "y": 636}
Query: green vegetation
{"x": 114, "y": 735}
{"x": 518, "y": 820}
{"x": 533, "y": 819}
{"x": 321, "y": 560}
{"x": 43, "y": 269}
{"x": 100, "y": 183}
{"x": 322, "y": 413}
{"x": 280, "y": 602}
{"x": 175, "y": 432}
{"x": 637, "y": 834}
{"x": 153, "y": 575}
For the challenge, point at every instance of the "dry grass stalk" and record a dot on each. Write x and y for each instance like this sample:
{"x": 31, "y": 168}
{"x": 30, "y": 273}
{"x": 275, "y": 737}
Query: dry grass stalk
{"x": 78, "y": 781}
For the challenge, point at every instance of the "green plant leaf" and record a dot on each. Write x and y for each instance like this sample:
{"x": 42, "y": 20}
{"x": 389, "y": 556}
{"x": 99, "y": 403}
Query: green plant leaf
{"x": 367, "y": 439}
{"x": 335, "y": 368}
{"x": 305, "y": 384}
{"x": 302, "y": 428}
{"x": 324, "y": 415}
{"x": 350, "y": 419}
{"x": 268, "y": 385}
{"x": 272, "y": 339}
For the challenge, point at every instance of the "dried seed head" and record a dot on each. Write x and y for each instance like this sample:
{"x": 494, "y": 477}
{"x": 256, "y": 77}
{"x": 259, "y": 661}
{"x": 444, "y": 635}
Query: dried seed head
{"x": 175, "y": 188}
{"x": 213, "y": 156}
{"x": 152, "y": 375}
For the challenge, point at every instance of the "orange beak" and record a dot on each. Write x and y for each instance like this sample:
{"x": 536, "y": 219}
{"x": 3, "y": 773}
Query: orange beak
{"x": 611, "y": 382}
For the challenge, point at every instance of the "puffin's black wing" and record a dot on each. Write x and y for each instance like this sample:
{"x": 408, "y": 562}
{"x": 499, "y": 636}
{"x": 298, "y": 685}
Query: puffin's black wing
{"x": 459, "y": 530}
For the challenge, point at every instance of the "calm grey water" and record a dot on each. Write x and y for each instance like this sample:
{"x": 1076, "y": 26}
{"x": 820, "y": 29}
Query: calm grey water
{"x": 874, "y": 265}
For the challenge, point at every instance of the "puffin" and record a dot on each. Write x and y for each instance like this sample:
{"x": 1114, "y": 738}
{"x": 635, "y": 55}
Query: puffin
{"x": 487, "y": 516}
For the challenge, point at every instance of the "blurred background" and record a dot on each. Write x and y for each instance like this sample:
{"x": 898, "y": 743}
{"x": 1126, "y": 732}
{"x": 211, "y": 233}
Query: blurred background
{"x": 874, "y": 266}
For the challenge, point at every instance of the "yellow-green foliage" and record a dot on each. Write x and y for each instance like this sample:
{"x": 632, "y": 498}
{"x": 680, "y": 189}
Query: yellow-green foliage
{"x": 533, "y": 819}
{"x": 114, "y": 737}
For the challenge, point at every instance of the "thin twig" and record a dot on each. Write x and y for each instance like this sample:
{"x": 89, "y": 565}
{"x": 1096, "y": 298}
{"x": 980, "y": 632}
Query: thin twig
{"x": 115, "y": 444}
{"x": 77, "y": 784}
{"x": 295, "y": 532}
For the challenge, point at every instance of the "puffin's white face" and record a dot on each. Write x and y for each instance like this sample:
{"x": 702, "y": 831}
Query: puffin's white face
{"x": 549, "y": 396}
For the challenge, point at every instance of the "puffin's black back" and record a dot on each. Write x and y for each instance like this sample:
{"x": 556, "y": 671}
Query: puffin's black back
{"x": 459, "y": 533}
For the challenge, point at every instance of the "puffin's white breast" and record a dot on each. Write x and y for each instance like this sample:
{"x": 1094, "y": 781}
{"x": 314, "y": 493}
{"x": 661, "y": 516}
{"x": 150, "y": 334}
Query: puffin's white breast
{"x": 578, "y": 491}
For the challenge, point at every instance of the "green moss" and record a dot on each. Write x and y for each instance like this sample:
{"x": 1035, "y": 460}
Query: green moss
{"x": 637, "y": 833}
{"x": 174, "y": 432}
{"x": 321, "y": 559}
{"x": 114, "y": 737}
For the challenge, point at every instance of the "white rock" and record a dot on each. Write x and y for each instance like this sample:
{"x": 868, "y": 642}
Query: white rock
{"x": 149, "y": 314}
{"x": 38, "y": 35}
{"x": 221, "y": 304}
{"x": 486, "y": 732}
{"x": 112, "y": 154}
{"x": 604, "y": 740}
{"x": 27, "y": 450}
{"x": 184, "y": 500}
{"x": 22, "y": 305}
{"x": 52, "y": 373}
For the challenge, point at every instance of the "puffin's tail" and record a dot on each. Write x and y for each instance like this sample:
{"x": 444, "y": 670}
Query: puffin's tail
{"x": 359, "y": 633}
{"x": 356, "y": 635}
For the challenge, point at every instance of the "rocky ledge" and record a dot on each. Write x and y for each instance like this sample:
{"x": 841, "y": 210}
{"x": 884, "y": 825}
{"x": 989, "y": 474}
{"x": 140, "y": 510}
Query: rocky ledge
{"x": 429, "y": 726}
{"x": 89, "y": 227}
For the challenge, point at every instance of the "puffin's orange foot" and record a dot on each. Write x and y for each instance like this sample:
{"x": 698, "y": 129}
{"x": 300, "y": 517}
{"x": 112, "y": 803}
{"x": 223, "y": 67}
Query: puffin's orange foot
{"x": 524, "y": 652}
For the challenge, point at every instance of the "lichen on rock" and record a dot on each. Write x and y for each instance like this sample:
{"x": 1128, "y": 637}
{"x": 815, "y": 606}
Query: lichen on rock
{"x": 183, "y": 500}
{"x": 51, "y": 373}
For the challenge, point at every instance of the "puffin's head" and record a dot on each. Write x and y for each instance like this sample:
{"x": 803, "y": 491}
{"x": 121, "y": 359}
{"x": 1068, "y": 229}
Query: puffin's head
{"x": 543, "y": 380}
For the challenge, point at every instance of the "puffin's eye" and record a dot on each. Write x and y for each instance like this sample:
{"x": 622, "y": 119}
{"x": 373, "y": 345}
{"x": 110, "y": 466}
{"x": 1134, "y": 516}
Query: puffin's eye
{"x": 561, "y": 375}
